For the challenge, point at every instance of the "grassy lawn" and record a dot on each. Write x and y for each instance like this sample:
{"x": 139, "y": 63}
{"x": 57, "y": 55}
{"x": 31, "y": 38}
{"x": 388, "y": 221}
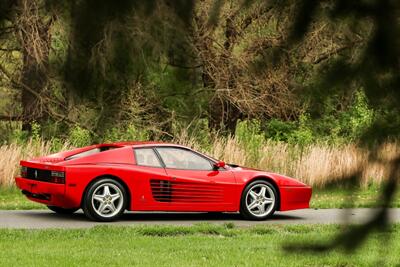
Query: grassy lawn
{"x": 199, "y": 245}
{"x": 340, "y": 198}
{"x": 12, "y": 199}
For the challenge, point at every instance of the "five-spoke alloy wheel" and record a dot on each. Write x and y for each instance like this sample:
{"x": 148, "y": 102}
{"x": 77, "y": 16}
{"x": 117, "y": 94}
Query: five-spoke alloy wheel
{"x": 105, "y": 200}
{"x": 259, "y": 200}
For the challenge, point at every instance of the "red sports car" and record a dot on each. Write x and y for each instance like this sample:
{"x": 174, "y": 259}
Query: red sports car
{"x": 106, "y": 179}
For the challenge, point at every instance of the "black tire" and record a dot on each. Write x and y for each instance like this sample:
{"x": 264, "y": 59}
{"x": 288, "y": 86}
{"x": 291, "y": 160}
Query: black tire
{"x": 89, "y": 206}
{"x": 273, "y": 194}
{"x": 62, "y": 210}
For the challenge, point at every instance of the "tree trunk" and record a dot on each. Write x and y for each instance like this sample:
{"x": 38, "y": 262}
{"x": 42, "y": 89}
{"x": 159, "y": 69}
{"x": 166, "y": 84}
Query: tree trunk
{"x": 34, "y": 77}
{"x": 34, "y": 38}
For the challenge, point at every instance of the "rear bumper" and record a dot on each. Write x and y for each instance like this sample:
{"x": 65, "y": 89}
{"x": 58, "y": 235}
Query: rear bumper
{"x": 295, "y": 197}
{"x": 43, "y": 192}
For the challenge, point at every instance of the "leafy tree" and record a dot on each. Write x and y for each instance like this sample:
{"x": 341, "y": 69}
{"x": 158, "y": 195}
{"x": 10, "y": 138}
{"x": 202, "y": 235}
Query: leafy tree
{"x": 303, "y": 69}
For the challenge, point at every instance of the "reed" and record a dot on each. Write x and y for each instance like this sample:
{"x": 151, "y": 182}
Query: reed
{"x": 316, "y": 164}
{"x": 11, "y": 154}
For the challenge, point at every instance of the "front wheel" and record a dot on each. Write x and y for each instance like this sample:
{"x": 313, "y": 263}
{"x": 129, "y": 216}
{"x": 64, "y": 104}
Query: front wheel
{"x": 259, "y": 200}
{"x": 105, "y": 200}
{"x": 62, "y": 210}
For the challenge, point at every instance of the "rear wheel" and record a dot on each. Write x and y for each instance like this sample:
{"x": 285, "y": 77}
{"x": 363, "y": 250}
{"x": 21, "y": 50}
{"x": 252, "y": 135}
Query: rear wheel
{"x": 259, "y": 200}
{"x": 105, "y": 200}
{"x": 62, "y": 210}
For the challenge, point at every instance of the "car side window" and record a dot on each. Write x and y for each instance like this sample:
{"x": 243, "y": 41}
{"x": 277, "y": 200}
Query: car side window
{"x": 177, "y": 158}
{"x": 147, "y": 157}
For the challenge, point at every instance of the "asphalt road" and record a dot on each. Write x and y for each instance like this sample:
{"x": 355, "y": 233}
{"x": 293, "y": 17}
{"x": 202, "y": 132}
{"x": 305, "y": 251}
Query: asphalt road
{"x": 37, "y": 219}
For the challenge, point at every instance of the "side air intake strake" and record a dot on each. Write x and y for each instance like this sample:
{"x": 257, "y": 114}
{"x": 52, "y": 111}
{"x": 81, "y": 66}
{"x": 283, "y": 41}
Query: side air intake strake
{"x": 173, "y": 191}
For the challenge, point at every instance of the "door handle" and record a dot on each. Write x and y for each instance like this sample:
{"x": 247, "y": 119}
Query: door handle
{"x": 173, "y": 178}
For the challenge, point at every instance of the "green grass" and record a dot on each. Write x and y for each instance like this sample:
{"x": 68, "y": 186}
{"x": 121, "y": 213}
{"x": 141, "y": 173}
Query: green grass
{"x": 341, "y": 198}
{"x": 199, "y": 245}
{"x": 12, "y": 199}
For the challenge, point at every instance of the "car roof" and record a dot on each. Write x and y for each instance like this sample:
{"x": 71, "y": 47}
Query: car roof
{"x": 142, "y": 143}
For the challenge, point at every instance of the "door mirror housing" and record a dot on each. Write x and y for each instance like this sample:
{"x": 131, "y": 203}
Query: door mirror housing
{"x": 219, "y": 164}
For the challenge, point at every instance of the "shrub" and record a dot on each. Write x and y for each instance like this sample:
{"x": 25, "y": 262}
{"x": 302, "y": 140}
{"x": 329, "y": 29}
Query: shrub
{"x": 79, "y": 137}
{"x": 358, "y": 118}
{"x": 250, "y": 136}
{"x": 128, "y": 133}
{"x": 330, "y": 125}
{"x": 36, "y": 131}
{"x": 303, "y": 135}
{"x": 279, "y": 130}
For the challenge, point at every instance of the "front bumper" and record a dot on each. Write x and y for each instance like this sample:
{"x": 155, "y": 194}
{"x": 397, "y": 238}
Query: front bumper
{"x": 43, "y": 192}
{"x": 295, "y": 197}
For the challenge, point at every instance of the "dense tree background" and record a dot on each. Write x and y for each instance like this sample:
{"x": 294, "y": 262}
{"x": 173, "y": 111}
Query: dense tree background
{"x": 306, "y": 71}
{"x": 158, "y": 66}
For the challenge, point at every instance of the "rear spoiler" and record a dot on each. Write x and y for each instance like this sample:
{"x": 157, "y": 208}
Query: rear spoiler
{"x": 41, "y": 165}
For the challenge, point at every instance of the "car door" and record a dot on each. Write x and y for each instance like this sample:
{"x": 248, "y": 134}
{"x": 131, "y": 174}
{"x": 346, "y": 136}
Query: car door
{"x": 148, "y": 168}
{"x": 194, "y": 184}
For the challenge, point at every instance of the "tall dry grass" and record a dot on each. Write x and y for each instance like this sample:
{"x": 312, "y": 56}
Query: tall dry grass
{"x": 11, "y": 154}
{"x": 315, "y": 164}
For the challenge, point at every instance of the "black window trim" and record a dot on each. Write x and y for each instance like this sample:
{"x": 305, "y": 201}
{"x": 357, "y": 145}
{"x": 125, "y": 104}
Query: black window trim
{"x": 159, "y": 158}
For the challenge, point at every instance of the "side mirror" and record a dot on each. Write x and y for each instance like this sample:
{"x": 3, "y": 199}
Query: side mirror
{"x": 219, "y": 164}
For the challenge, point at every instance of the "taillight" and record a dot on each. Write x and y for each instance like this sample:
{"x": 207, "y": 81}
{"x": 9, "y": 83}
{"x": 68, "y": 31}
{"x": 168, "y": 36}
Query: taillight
{"x": 24, "y": 171}
{"x": 58, "y": 177}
